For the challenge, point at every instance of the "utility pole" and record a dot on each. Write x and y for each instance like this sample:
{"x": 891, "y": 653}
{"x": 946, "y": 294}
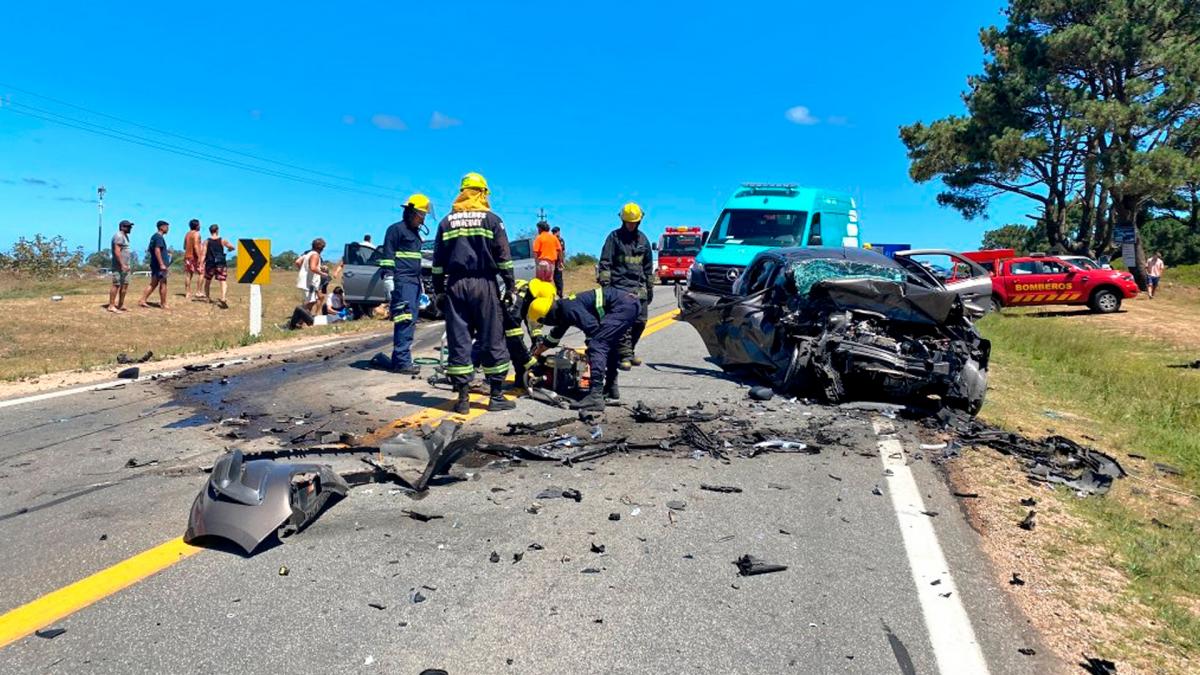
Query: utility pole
{"x": 100, "y": 218}
{"x": 541, "y": 216}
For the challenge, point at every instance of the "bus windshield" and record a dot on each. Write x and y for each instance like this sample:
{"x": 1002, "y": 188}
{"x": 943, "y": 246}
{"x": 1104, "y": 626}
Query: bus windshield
{"x": 680, "y": 244}
{"x": 760, "y": 228}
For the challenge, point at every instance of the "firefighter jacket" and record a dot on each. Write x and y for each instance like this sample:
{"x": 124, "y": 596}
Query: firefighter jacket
{"x": 471, "y": 244}
{"x": 401, "y": 252}
{"x": 626, "y": 262}
{"x": 582, "y": 310}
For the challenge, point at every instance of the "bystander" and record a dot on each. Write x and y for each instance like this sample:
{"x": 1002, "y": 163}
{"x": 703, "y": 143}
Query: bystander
{"x": 215, "y": 264}
{"x": 122, "y": 267}
{"x": 1154, "y": 272}
{"x": 160, "y": 261}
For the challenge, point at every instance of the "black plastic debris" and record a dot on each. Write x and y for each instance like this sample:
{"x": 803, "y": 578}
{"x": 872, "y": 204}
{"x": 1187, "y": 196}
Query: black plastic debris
{"x": 1027, "y": 651}
{"x": 133, "y": 463}
{"x": 590, "y": 570}
{"x": 749, "y": 566}
{"x": 931, "y": 514}
{"x": 572, "y": 493}
{"x": 536, "y": 547}
{"x": 597, "y": 548}
{"x": 530, "y": 428}
{"x": 1096, "y": 666}
{"x": 876, "y": 491}
{"x": 676, "y": 505}
{"x": 416, "y": 597}
{"x": 418, "y": 516}
{"x": 966, "y": 495}
{"x": 614, "y": 516}
{"x": 1029, "y": 501}
{"x": 517, "y": 557}
{"x": 1054, "y": 459}
{"x": 376, "y": 605}
{"x": 1029, "y": 522}
{"x": 695, "y": 437}
{"x": 129, "y": 373}
{"x": 494, "y": 557}
{"x": 49, "y": 633}
{"x": 778, "y": 486}
{"x": 644, "y": 413}
{"x": 1016, "y": 580}
{"x": 125, "y": 359}
{"x": 720, "y": 488}
{"x": 761, "y": 393}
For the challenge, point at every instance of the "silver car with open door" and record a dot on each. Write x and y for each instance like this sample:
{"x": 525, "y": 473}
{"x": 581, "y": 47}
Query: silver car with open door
{"x": 967, "y": 278}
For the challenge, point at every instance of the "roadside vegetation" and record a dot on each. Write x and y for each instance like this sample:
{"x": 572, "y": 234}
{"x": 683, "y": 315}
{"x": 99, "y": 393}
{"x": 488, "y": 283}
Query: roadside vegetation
{"x": 43, "y": 336}
{"x": 1130, "y": 560}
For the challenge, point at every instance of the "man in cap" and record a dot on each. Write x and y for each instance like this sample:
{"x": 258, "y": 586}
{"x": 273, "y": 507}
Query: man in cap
{"x": 160, "y": 262}
{"x": 470, "y": 251}
{"x": 602, "y": 314}
{"x": 626, "y": 263}
{"x": 401, "y": 262}
{"x": 122, "y": 267}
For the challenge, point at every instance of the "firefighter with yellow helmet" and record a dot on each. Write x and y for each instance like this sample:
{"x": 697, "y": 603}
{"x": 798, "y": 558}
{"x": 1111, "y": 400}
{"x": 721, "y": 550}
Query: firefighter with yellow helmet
{"x": 603, "y": 314}
{"x": 627, "y": 264}
{"x": 401, "y": 263}
{"x": 470, "y": 251}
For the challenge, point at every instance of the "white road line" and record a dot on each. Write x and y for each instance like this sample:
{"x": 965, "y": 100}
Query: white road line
{"x": 954, "y": 645}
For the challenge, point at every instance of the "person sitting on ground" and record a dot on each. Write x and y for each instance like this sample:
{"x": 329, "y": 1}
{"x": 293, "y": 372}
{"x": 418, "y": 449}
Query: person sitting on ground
{"x": 311, "y": 275}
{"x": 214, "y": 263}
{"x": 160, "y": 261}
{"x": 1154, "y": 270}
{"x": 122, "y": 267}
{"x": 335, "y": 305}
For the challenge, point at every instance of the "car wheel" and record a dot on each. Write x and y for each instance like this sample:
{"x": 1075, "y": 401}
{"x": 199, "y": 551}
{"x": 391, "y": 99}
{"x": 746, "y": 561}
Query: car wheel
{"x": 1105, "y": 301}
{"x": 997, "y": 303}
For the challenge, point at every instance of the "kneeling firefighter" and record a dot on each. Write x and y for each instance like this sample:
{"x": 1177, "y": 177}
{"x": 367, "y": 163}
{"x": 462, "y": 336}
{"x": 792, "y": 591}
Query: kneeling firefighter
{"x": 401, "y": 263}
{"x": 469, "y": 253}
{"x": 603, "y": 314}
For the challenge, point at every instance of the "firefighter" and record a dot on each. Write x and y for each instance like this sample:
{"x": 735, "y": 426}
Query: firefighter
{"x": 401, "y": 264}
{"x": 470, "y": 251}
{"x": 603, "y": 315}
{"x": 513, "y": 319}
{"x": 627, "y": 264}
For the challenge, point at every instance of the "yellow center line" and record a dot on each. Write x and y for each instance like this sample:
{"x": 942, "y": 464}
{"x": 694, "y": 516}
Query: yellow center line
{"x": 56, "y": 605}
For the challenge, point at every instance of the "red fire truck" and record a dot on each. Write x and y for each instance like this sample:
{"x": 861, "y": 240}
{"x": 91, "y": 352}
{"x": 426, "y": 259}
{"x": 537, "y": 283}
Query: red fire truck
{"x": 677, "y": 249}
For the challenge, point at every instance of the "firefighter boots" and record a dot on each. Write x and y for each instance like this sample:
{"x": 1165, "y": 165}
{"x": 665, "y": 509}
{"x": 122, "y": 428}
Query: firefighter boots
{"x": 463, "y": 405}
{"x": 497, "y": 400}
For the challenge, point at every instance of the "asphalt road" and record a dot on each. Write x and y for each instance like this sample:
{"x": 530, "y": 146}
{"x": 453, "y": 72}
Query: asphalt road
{"x": 92, "y": 479}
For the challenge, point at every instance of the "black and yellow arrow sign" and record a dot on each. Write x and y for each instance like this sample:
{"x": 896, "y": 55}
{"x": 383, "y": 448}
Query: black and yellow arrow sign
{"x": 254, "y": 261}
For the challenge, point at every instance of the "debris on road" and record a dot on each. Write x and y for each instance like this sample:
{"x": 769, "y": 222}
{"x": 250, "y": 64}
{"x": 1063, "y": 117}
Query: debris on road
{"x": 418, "y": 516}
{"x": 644, "y": 413}
{"x": 749, "y": 566}
{"x": 283, "y": 570}
{"x": 1096, "y": 666}
{"x": 129, "y": 373}
{"x": 676, "y": 505}
{"x": 125, "y": 359}
{"x": 720, "y": 488}
{"x": 1053, "y": 459}
{"x": 1029, "y": 522}
{"x": 50, "y": 633}
{"x": 247, "y": 501}
{"x": 1016, "y": 580}
{"x": 761, "y": 393}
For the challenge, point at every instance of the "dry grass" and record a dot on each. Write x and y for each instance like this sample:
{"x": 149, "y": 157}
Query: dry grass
{"x": 41, "y": 336}
{"x": 1119, "y": 575}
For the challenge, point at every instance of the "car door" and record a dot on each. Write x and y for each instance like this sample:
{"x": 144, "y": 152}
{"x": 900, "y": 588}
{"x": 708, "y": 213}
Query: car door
{"x": 1039, "y": 282}
{"x": 972, "y": 283}
{"x": 362, "y": 279}
{"x": 522, "y": 258}
{"x": 747, "y": 328}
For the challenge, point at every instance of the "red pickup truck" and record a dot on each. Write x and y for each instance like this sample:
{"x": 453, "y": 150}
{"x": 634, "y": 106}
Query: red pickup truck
{"x": 1046, "y": 280}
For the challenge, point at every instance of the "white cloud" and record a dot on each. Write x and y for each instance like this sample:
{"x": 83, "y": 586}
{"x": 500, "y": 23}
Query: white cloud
{"x": 443, "y": 121}
{"x": 800, "y": 115}
{"x": 348, "y": 119}
{"x": 388, "y": 122}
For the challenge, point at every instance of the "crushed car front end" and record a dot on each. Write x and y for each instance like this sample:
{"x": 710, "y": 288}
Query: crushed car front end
{"x": 841, "y": 324}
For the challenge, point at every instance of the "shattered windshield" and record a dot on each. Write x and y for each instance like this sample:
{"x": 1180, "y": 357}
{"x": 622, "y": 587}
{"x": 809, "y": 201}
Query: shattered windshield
{"x": 809, "y": 272}
{"x": 761, "y": 228}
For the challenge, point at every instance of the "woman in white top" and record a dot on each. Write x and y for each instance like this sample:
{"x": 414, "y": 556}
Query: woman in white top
{"x": 310, "y": 275}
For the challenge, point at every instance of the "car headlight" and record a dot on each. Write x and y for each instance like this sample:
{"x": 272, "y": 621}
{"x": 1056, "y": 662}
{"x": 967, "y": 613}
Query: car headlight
{"x": 697, "y": 266}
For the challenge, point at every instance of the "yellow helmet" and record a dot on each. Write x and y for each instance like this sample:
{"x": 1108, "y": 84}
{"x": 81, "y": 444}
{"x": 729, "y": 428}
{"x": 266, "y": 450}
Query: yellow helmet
{"x": 473, "y": 180}
{"x": 543, "y": 293}
{"x": 631, "y": 213}
{"x": 419, "y": 202}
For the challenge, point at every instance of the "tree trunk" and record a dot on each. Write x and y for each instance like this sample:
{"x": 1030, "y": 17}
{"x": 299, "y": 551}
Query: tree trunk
{"x": 1126, "y": 213}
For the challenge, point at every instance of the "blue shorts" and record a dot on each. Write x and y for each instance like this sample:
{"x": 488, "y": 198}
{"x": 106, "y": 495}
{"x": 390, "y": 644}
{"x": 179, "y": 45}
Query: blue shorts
{"x": 1151, "y": 280}
{"x": 158, "y": 274}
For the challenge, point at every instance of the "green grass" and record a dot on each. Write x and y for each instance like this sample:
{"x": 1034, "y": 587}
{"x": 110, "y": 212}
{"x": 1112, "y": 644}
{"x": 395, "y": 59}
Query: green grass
{"x": 1131, "y": 402}
{"x": 1188, "y": 275}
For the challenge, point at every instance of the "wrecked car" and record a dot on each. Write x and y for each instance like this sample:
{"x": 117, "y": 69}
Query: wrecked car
{"x": 845, "y": 323}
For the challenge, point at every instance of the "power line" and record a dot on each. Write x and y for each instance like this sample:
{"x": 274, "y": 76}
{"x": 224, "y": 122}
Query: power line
{"x": 193, "y": 140}
{"x": 109, "y": 132}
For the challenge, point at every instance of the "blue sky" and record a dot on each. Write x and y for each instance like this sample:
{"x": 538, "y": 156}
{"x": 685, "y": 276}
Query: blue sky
{"x": 574, "y": 107}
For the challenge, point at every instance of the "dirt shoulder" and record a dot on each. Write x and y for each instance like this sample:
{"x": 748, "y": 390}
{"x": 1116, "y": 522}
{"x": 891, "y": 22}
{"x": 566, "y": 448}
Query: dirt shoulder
{"x": 1110, "y": 576}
